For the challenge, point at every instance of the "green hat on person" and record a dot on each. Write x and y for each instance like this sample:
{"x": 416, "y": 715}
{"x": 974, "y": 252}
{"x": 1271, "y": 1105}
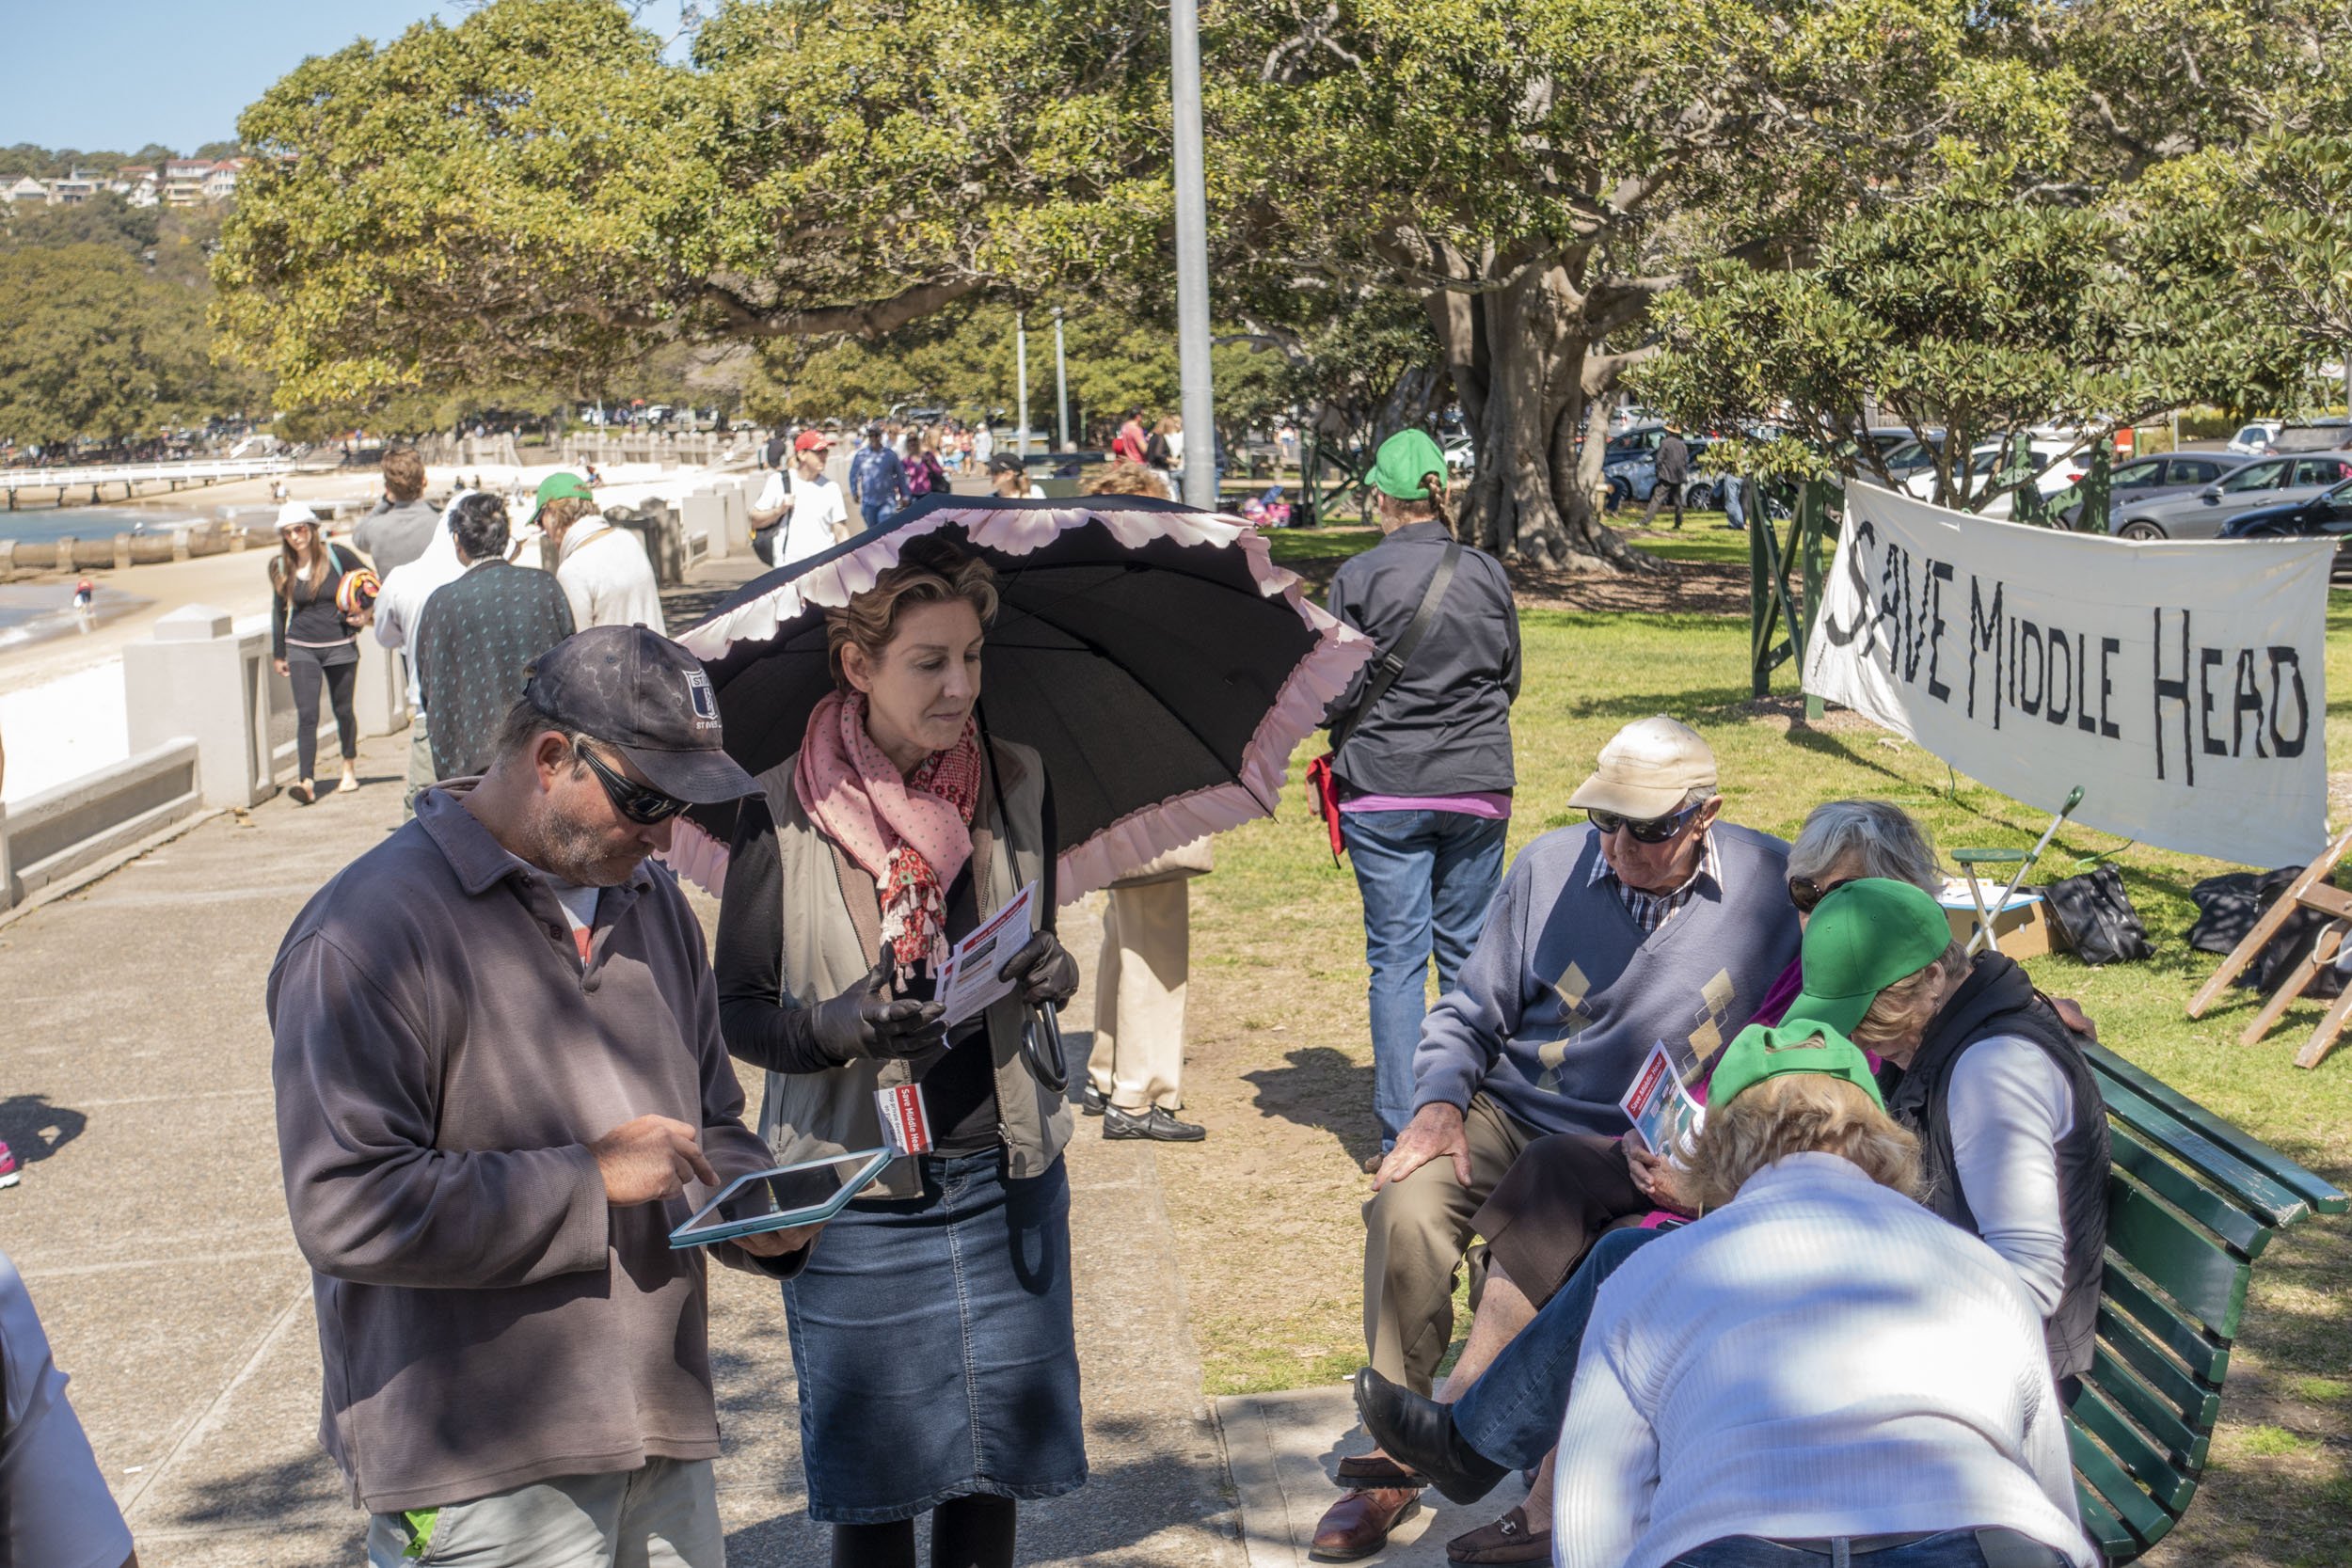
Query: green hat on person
{"x": 1760, "y": 1052}
{"x": 1864, "y": 937}
{"x": 1405, "y": 458}
{"x": 558, "y": 487}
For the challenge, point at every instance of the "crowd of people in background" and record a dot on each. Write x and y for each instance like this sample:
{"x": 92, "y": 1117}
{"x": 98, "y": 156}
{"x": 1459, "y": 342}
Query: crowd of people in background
{"x": 1842, "y": 1319}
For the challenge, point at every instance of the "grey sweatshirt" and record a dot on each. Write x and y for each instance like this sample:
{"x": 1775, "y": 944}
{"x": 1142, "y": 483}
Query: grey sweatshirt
{"x": 443, "y": 1058}
{"x": 1563, "y": 996}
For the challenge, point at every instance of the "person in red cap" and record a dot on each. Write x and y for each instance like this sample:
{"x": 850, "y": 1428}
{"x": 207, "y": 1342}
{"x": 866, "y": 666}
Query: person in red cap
{"x": 800, "y": 512}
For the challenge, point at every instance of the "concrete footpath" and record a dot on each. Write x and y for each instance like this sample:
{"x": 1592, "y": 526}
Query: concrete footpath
{"x": 152, "y": 1231}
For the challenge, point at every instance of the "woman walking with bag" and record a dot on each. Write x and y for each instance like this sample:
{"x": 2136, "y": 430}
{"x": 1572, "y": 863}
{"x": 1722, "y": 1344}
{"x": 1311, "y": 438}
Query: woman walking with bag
{"x": 312, "y": 645}
{"x": 931, "y": 1329}
{"x": 1419, "y": 774}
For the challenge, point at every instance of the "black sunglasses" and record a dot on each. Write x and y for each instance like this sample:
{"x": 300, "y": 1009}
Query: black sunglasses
{"x": 629, "y": 797}
{"x": 1807, "y": 894}
{"x": 1657, "y": 829}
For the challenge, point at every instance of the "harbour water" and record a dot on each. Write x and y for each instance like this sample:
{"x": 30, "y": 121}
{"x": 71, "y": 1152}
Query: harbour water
{"x": 35, "y": 612}
{"x": 92, "y": 522}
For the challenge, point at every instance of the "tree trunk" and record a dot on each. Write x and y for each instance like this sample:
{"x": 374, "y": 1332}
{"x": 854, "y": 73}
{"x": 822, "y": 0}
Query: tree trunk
{"x": 1524, "y": 384}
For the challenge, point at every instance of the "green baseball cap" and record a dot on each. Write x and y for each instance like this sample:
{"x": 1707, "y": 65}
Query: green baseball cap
{"x": 1403, "y": 460}
{"x": 558, "y": 487}
{"x": 1760, "y": 1052}
{"x": 1860, "y": 940}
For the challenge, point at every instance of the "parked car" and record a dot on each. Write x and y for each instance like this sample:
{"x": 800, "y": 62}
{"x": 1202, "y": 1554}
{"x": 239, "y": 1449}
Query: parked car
{"x": 2164, "y": 473}
{"x": 1906, "y": 458}
{"x": 2058, "y": 467}
{"x": 2325, "y": 516}
{"x": 1632, "y": 474}
{"x": 2204, "y": 514}
{"x": 1461, "y": 455}
{"x": 2253, "y": 440}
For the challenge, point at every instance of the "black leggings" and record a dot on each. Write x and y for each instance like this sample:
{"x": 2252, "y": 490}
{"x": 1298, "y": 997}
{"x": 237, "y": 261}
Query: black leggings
{"x": 304, "y": 670}
{"x": 966, "y": 1532}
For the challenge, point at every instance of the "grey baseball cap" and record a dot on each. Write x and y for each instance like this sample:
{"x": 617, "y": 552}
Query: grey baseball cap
{"x": 647, "y": 698}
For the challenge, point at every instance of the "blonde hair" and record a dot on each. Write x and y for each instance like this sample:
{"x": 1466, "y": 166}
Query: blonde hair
{"x": 931, "y": 574}
{"x": 1901, "y": 1012}
{"x": 1800, "y": 1112}
{"x": 1123, "y": 477}
{"x": 563, "y": 512}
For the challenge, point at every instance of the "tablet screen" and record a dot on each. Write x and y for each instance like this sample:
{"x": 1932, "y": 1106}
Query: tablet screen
{"x": 792, "y": 1190}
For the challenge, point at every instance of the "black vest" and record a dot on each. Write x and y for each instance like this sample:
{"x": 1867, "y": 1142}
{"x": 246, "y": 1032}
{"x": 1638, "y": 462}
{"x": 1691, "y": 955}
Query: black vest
{"x": 1996, "y": 998}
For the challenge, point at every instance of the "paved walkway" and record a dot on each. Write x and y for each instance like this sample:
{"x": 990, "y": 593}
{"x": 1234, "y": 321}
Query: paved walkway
{"x": 151, "y": 1229}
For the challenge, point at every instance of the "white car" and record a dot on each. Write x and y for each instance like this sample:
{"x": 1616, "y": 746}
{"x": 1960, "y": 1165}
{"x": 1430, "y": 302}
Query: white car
{"x": 2061, "y": 466}
{"x": 1461, "y": 455}
{"x": 2255, "y": 440}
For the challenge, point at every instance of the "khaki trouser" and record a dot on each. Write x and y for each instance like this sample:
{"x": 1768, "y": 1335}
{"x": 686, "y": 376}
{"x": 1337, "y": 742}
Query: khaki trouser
{"x": 1139, "y": 1059}
{"x": 1415, "y": 1234}
{"x": 419, "y": 764}
{"x": 663, "y": 1514}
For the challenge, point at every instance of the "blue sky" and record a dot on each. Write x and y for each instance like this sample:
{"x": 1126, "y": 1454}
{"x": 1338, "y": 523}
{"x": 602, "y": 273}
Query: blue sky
{"x": 120, "y": 73}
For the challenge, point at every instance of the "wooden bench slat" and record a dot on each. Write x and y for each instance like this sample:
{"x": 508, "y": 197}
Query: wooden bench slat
{"x": 2115, "y": 1543}
{"x": 2163, "y": 1420}
{"x": 2170, "y": 1486}
{"x": 2248, "y": 1184}
{"x": 2316, "y": 1190}
{"x": 2206, "y": 1281}
{"x": 2234, "y": 1225}
{"x": 2198, "y": 1402}
{"x": 2137, "y": 1511}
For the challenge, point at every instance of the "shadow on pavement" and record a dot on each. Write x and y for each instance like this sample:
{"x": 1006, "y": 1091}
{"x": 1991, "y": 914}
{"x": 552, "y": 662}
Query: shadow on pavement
{"x": 34, "y": 1130}
{"x": 1322, "y": 1088}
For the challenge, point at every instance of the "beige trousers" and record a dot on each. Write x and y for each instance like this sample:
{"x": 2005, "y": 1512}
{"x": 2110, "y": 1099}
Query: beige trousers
{"x": 1139, "y": 1059}
{"x": 1416, "y": 1232}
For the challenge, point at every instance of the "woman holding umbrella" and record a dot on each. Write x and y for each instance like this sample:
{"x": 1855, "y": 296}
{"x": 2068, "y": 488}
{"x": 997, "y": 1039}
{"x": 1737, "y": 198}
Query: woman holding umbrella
{"x": 931, "y": 1330}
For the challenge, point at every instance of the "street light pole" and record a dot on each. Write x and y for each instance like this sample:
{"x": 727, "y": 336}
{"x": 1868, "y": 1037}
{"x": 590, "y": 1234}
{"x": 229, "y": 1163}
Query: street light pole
{"x": 1021, "y": 370}
{"x": 1192, "y": 256}
{"x": 1061, "y": 389}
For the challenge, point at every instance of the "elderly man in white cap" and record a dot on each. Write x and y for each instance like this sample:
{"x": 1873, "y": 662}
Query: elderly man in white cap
{"x": 1651, "y": 922}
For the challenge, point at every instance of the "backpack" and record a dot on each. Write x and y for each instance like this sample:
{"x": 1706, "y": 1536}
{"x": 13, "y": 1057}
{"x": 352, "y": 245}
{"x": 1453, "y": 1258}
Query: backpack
{"x": 2095, "y": 917}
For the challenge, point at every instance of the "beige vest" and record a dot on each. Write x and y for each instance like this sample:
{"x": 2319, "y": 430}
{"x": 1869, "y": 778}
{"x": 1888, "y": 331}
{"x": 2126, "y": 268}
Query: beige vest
{"x": 829, "y": 901}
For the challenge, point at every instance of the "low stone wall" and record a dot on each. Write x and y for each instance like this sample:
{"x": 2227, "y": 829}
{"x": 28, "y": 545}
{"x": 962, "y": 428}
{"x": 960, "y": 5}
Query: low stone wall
{"x": 58, "y": 832}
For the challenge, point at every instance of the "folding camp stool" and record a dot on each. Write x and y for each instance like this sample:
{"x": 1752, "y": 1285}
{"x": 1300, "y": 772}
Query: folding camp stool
{"x": 1968, "y": 860}
{"x": 2310, "y": 891}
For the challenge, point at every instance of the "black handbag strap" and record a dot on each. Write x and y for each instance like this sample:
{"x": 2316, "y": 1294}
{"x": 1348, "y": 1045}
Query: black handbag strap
{"x": 1390, "y": 665}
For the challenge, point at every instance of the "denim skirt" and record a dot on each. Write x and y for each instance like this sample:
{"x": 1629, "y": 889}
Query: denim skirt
{"x": 933, "y": 1343}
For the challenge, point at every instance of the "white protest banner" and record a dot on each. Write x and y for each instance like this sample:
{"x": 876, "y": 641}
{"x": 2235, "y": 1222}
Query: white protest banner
{"x": 2181, "y": 685}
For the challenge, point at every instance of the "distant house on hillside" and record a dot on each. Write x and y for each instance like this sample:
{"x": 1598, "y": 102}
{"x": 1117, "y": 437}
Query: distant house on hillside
{"x": 27, "y": 190}
{"x": 71, "y": 191}
{"x": 220, "y": 180}
{"x": 136, "y": 184}
{"x": 183, "y": 181}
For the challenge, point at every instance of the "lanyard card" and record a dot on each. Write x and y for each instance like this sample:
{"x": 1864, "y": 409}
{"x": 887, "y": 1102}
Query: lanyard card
{"x": 906, "y": 1122}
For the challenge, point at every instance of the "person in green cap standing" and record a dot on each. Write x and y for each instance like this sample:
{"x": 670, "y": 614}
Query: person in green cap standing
{"x": 603, "y": 570}
{"x": 1421, "y": 751}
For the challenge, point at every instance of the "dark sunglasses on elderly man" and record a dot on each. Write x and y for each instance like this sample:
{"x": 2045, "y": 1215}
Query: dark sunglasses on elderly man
{"x": 629, "y": 797}
{"x": 1807, "y": 894}
{"x": 1656, "y": 829}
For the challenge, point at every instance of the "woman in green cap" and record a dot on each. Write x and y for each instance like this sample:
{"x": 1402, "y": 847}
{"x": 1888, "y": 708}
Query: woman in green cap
{"x": 1421, "y": 755}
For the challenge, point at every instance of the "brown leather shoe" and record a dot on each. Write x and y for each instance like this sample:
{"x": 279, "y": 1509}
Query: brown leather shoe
{"x": 1509, "y": 1538}
{"x": 1359, "y": 1524}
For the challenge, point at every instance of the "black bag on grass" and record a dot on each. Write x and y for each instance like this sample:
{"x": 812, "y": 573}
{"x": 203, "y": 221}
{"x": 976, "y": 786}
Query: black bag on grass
{"x": 2094, "y": 918}
{"x": 2228, "y": 906}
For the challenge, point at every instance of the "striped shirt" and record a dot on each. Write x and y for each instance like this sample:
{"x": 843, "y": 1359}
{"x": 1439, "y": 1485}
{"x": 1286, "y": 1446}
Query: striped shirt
{"x": 1651, "y": 911}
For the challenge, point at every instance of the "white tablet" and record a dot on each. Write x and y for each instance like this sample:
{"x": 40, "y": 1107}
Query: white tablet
{"x": 809, "y": 1193}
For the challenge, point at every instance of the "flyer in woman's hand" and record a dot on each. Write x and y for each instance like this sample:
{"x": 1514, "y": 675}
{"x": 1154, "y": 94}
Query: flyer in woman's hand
{"x": 968, "y": 982}
{"x": 1667, "y": 1120}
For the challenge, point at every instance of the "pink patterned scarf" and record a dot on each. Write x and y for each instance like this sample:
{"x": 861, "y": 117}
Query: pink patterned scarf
{"x": 912, "y": 834}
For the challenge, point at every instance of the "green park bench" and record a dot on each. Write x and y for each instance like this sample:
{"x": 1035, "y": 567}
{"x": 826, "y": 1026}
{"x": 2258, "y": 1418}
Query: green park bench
{"x": 2192, "y": 1202}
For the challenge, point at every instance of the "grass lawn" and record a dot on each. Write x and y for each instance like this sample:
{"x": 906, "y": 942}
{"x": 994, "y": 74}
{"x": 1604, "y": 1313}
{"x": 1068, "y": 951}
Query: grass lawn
{"x": 1266, "y": 1212}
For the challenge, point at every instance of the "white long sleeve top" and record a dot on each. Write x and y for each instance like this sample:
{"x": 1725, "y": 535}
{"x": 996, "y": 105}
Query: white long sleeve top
{"x": 1820, "y": 1357}
{"x": 2009, "y": 1108}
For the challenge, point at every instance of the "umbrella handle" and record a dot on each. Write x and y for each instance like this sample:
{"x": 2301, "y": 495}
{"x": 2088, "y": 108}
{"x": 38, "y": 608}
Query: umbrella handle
{"x": 1055, "y": 1075}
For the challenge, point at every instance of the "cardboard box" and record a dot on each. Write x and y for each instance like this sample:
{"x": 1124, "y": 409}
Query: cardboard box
{"x": 2021, "y": 930}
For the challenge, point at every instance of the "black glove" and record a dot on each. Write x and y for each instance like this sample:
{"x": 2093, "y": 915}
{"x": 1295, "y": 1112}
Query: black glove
{"x": 1045, "y": 970}
{"x": 867, "y": 1020}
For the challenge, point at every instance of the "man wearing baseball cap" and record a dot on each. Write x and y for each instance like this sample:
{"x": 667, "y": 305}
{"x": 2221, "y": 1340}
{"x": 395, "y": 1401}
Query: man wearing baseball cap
{"x": 500, "y": 1085}
{"x": 1651, "y": 922}
{"x": 800, "y": 509}
{"x": 878, "y": 478}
